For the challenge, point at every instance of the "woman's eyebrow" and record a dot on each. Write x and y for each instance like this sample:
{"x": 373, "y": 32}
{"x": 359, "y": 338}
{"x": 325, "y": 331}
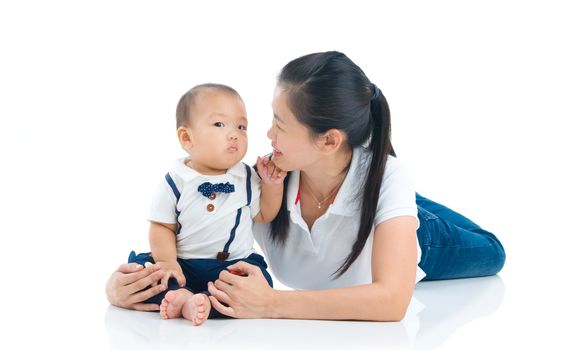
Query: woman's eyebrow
{"x": 278, "y": 118}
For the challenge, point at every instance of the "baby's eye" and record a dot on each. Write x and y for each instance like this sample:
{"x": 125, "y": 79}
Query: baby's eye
{"x": 219, "y": 124}
{"x": 243, "y": 127}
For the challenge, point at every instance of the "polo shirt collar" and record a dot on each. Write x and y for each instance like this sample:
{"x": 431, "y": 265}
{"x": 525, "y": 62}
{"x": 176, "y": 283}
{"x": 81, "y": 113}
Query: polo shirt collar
{"x": 188, "y": 173}
{"x": 346, "y": 202}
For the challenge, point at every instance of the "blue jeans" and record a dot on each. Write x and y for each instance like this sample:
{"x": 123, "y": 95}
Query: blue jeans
{"x": 453, "y": 246}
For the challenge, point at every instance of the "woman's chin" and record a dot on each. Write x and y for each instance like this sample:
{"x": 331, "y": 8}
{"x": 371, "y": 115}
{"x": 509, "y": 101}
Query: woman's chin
{"x": 280, "y": 163}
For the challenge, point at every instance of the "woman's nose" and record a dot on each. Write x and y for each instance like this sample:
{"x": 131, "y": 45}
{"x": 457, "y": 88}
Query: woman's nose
{"x": 269, "y": 133}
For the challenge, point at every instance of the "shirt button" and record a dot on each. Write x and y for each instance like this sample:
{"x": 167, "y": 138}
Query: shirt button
{"x": 213, "y": 196}
{"x": 210, "y": 207}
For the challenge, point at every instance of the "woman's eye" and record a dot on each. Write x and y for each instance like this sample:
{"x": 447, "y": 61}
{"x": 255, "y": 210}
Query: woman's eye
{"x": 219, "y": 124}
{"x": 242, "y": 127}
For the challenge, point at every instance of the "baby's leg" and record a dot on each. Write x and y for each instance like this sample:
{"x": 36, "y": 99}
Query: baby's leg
{"x": 183, "y": 303}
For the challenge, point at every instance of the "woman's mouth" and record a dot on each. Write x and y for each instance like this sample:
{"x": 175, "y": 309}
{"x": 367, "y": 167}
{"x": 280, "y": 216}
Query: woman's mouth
{"x": 276, "y": 153}
{"x": 232, "y": 149}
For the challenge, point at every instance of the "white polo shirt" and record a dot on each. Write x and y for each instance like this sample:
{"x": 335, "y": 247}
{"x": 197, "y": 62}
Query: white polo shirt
{"x": 307, "y": 260}
{"x": 206, "y": 223}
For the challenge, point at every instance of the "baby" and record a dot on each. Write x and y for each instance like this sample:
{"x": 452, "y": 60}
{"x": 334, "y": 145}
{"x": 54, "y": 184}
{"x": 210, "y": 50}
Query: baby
{"x": 201, "y": 215}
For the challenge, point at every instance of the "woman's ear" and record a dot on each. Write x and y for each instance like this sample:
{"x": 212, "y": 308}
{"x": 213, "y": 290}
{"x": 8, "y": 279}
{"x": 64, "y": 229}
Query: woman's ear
{"x": 185, "y": 138}
{"x": 332, "y": 140}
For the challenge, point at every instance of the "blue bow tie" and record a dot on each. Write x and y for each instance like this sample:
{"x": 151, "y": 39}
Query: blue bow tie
{"x": 207, "y": 188}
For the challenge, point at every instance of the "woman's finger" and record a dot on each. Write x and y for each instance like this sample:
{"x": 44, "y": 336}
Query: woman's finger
{"x": 128, "y": 278}
{"x": 223, "y": 286}
{"x": 146, "y": 294}
{"x": 142, "y": 283}
{"x": 244, "y": 267}
{"x": 229, "y": 277}
{"x": 225, "y": 310}
{"x": 219, "y": 294}
{"x": 128, "y": 268}
{"x": 145, "y": 307}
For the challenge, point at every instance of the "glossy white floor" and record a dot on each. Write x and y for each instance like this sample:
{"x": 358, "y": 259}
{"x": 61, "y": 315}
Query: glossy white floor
{"x": 88, "y": 92}
{"x": 448, "y": 307}
{"x": 482, "y": 313}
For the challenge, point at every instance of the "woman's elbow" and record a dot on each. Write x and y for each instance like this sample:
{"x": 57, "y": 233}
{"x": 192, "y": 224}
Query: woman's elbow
{"x": 394, "y": 310}
{"x": 398, "y": 314}
{"x": 400, "y": 304}
{"x": 394, "y": 314}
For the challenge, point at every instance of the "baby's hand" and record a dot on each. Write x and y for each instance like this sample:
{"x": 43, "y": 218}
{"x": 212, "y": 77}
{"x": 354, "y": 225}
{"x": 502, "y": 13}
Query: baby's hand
{"x": 171, "y": 269}
{"x": 269, "y": 172}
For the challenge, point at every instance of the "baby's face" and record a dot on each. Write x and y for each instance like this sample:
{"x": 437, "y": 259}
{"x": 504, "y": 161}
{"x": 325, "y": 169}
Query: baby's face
{"x": 217, "y": 125}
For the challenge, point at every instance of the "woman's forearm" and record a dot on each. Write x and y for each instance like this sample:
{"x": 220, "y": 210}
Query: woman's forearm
{"x": 371, "y": 302}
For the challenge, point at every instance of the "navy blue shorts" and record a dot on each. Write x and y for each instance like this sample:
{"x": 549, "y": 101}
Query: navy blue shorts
{"x": 198, "y": 272}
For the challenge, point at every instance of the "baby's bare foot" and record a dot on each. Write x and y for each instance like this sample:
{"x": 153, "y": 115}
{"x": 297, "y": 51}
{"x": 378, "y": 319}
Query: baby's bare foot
{"x": 173, "y": 303}
{"x": 197, "y": 309}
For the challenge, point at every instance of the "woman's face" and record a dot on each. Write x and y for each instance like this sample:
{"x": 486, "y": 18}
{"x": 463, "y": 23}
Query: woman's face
{"x": 293, "y": 146}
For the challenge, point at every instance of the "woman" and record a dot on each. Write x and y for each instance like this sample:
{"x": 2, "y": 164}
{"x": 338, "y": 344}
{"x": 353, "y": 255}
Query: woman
{"x": 345, "y": 236}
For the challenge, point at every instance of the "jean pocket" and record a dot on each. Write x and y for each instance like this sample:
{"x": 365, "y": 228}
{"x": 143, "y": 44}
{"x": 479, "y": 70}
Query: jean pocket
{"x": 433, "y": 231}
{"x": 425, "y": 215}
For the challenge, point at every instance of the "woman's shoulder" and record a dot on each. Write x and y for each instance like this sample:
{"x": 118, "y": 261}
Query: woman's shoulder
{"x": 397, "y": 192}
{"x": 396, "y": 173}
{"x": 395, "y": 166}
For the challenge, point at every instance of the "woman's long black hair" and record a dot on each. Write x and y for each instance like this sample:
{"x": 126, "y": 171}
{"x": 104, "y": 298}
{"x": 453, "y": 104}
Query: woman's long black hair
{"x": 328, "y": 91}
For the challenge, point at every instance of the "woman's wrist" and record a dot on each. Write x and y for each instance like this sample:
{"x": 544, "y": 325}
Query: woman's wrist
{"x": 274, "y": 304}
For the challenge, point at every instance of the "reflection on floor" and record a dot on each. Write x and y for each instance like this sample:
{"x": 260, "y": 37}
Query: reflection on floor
{"x": 438, "y": 309}
{"x": 449, "y": 305}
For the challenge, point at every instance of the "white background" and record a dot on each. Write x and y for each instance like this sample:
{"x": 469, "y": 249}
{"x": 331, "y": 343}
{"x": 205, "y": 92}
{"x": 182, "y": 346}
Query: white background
{"x": 87, "y": 128}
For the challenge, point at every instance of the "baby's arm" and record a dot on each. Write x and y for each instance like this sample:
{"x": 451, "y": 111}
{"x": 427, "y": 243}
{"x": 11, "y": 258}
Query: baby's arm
{"x": 164, "y": 252}
{"x": 271, "y": 190}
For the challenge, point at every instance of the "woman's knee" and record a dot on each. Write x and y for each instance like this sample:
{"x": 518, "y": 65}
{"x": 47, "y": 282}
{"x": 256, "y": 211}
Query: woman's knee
{"x": 500, "y": 259}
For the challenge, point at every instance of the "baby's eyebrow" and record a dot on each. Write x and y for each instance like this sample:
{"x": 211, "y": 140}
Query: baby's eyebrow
{"x": 213, "y": 115}
{"x": 222, "y": 115}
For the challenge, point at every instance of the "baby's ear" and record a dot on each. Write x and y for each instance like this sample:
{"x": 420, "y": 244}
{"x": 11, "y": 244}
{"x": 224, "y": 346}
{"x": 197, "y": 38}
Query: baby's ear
{"x": 185, "y": 137}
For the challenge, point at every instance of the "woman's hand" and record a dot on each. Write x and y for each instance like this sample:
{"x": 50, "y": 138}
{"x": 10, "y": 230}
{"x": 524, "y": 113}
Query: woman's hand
{"x": 269, "y": 172}
{"x": 247, "y": 296}
{"x": 125, "y": 287}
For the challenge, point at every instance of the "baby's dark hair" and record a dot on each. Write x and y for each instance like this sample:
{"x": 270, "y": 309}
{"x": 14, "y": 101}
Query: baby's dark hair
{"x": 186, "y": 101}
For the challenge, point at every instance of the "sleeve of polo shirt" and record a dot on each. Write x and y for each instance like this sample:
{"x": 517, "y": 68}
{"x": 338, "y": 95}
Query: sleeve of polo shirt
{"x": 255, "y": 201}
{"x": 163, "y": 205}
{"x": 397, "y": 193}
